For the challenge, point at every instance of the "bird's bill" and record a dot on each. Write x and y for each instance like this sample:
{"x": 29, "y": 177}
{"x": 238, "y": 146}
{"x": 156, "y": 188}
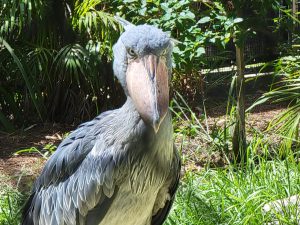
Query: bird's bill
{"x": 148, "y": 85}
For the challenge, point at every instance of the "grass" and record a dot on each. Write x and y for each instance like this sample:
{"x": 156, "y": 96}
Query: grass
{"x": 11, "y": 201}
{"x": 10, "y": 207}
{"x": 236, "y": 196}
{"x": 232, "y": 194}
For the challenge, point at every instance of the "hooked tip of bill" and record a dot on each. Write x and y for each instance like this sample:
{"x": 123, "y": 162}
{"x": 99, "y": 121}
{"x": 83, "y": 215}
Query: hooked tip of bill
{"x": 156, "y": 122}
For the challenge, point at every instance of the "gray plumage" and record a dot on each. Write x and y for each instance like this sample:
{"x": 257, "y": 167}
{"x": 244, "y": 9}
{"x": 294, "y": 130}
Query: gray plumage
{"x": 114, "y": 169}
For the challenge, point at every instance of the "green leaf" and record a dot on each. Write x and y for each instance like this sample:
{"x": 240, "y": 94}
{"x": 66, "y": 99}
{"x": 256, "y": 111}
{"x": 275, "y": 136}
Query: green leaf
{"x": 238, "y": 20}
{"x": 204, "y": 20}
{"x": 190, "y": 15}
{"x": 200, "y": 51}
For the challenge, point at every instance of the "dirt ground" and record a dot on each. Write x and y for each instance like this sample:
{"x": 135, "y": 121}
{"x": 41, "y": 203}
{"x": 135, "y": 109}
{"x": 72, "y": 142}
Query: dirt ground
{"x": 20, "y": 170}
{"x": 196, "y": 150}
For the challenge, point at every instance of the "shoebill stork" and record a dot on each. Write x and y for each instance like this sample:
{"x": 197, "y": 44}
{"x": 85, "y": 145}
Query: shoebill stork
{"x": 121, "y": 167}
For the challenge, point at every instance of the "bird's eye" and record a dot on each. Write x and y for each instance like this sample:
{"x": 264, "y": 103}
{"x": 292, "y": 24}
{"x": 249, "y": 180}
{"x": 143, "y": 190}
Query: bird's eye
{"x": 131, "y": 52}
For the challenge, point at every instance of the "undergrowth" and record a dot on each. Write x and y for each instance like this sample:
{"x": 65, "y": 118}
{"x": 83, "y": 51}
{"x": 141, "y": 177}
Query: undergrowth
{"x": 233, "y": 195}
{"x": 11, "y": 201}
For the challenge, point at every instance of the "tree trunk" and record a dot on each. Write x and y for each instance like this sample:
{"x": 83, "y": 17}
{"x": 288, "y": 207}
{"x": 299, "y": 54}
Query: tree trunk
{"x": 295, "y": 24}
{"x": 239, "y": 134}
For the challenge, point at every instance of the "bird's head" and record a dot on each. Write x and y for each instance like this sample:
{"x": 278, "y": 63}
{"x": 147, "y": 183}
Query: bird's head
{"x": 142, "y": 64}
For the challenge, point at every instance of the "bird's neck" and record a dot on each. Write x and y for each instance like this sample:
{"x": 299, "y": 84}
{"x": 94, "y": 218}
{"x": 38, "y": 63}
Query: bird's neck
{"x": 129, "y": 105}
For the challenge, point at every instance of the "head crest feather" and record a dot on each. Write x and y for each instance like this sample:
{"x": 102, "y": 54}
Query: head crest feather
{"x": 125, "y": 24}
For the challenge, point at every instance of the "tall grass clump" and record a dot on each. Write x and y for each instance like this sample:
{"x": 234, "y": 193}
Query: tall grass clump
{"x": 11, "y": 201}
{"x": 234, "y": 195}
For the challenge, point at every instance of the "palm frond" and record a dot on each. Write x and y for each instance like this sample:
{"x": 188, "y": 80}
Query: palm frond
{"x": 15, "y": 15}
{"x": 287, "y": 91}
{"x": 31, "y": 85}
{"x": 40, "y": 60}
{"x": 71, "y": 62}
{"x": 91, "y": 18}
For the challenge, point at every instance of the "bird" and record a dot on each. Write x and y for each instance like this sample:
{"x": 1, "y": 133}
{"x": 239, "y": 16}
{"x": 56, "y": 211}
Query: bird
{"x": 122, "y": 167}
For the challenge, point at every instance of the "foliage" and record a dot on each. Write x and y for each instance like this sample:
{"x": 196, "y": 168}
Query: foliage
{"x": 11, "y": 201}
{"x": 286, "y": 91}
{"x": 188, "y": 124}
{"x": 194, "y": 25}
{"x": 55, "y": 65}
{"x": 232, "y": 196}
{"x": 64, "y": 49}
{"x": 46, "y": 152}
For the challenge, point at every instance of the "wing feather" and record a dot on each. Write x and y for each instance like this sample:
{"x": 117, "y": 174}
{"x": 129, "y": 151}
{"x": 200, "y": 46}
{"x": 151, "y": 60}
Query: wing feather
{"x": 79, "y": 176}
